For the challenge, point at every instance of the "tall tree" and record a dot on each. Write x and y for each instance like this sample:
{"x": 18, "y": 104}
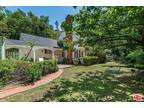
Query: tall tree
{"x": 57, "y": 25}
{"x": 67, "y": 26}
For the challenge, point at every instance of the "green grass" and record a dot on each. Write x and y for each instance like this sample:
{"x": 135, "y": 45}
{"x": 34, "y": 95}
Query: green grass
{"x": 87, "y": 83}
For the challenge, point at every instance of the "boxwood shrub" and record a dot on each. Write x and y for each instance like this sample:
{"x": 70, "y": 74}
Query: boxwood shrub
{"x": 33, "y": 72}
{"x": 38, "y": 69}
{"x": 89, "y": 60}
{"x": 48, "y": 66}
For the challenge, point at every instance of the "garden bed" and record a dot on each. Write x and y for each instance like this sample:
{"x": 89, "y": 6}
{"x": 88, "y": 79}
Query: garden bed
{"x": 22, "y": 72}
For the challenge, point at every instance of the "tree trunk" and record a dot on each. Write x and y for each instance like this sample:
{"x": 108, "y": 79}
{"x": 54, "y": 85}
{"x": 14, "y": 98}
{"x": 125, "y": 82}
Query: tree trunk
{"x": 69, "y": 56}
{"x": 28, "y": 54}
{"x": 69, "y": 41}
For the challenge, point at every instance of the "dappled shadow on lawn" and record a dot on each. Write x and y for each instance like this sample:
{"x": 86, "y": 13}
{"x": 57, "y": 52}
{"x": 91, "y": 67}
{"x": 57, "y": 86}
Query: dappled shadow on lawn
{"x": 98, "y": 86}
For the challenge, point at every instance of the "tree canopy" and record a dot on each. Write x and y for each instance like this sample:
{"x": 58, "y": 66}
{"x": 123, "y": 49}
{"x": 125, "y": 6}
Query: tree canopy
{"x": 111, "y": 26}
{"x": 20, "y": 22}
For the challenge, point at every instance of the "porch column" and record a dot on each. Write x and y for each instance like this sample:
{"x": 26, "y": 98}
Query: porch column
{"x": 53, "y": 56}
{"x": 34, "y": 55}
{"x": 20, "y": 53}
{"x": 65, "y": 54}
{"x": 84, "y": 54}
{"x": 3, "y": 51}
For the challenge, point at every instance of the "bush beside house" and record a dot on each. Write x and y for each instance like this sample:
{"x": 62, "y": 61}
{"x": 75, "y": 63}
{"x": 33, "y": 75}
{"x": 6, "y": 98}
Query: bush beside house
{"x": 88, "y": 60}
{"x": 33, "y": 72}
{"x": 91, "y": 60}
{"x": 47, "y": 66}
{"x": 136, "y": 59}
{"x": 18, "y": 70}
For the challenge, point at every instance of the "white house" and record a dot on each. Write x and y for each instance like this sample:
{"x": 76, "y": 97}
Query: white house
{"x": 44, "y": 48}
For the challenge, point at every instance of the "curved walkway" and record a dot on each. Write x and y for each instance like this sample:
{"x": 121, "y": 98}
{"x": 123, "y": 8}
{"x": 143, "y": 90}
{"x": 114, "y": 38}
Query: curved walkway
{"x": 44, "y": 80}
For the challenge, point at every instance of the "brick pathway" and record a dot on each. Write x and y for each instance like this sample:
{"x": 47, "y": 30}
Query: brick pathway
{"x": 44, "y": 80}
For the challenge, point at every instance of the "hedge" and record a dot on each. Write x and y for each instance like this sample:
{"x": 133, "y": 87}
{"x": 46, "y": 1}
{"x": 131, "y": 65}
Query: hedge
{"x": 48, "y": 66}
{"x": 89, "y": 60}
{"x": 10, "y": 69}
{"x": 33, "y": 72}
{"x": 135, "y": 57}
{"x": 18, "y": 70}
{"x": 139, "y": 66}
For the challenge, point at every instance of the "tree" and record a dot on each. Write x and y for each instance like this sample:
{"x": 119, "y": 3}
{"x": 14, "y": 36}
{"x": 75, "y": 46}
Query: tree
{"x": 2, "y": 14}
{"x": 57, "y": 25}
{"x": 67, "y": 26}
{"x": 31, "y": 45}
{"x": 20, "y": 22}
{"x": 111, "y": 26}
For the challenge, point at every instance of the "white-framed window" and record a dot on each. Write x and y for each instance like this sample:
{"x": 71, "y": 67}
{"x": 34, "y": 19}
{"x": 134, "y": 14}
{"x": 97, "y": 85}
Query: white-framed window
{"x": 12, "y": 53}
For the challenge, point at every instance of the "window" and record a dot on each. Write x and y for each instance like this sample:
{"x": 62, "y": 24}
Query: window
{"x": 46, "y": 51}
{"x": 12, "y": 53}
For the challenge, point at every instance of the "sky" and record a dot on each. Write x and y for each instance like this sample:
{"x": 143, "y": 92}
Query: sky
{"x": 55, "y": 13}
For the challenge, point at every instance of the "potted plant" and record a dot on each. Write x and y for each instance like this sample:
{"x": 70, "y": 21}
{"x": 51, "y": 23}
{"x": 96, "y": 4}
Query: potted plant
{"x": 75, "y": 61}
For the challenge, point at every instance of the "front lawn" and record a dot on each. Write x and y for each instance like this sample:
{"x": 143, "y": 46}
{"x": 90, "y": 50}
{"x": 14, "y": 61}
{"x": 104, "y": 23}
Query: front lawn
{"x": 101, "y": 82}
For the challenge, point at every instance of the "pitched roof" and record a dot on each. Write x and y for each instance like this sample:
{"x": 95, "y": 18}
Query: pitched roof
{"x": 14, "y": 42}
{"x": 37, "y": 40}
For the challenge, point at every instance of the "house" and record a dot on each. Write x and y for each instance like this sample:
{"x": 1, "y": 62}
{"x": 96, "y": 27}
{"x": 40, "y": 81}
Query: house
{"x": 43, "y": 48}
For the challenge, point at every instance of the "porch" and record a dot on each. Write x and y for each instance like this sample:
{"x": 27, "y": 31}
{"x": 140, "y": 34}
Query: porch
{"x": 36, "y": 54}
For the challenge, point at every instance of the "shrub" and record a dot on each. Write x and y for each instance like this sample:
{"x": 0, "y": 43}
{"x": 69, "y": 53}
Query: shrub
{"x": 89, "y": 60}
{"x": 38, "y": 69}
{"x": 7, "y": 68}
{"x": 139, "y": 66}
{"x": 20, "y": 73}
{"x": 18, "y": 70}
{"x": 135, "y": 58}
{"x": 11, "y": 69}
{"x": 2, "y": 83}
{"x": 48, "y": 66}
{"x": 66, "y": 61}
{"x": 33, "y": 72}
{"x": 101, "y": 57}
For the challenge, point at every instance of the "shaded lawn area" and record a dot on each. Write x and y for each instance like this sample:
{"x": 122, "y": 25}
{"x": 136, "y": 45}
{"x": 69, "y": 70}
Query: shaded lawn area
{"x": 87, "y": 83}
